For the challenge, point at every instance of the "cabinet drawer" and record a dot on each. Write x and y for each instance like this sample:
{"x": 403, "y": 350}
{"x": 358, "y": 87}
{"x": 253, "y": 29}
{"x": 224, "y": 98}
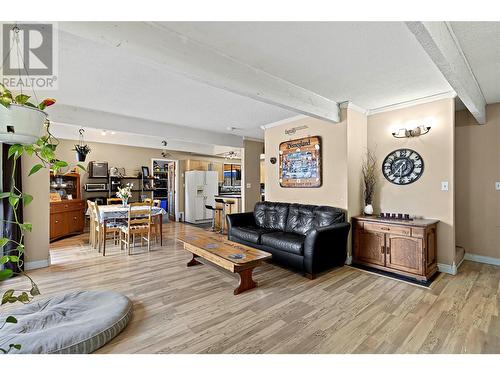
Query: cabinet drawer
{"x": 403, "y": 231}
{"x": 66, "y": 206}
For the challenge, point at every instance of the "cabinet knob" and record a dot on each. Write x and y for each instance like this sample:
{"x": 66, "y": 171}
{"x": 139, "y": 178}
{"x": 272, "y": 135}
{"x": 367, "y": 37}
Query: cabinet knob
{"x": 74, "y": 217}
{"x": 57, "y": 221}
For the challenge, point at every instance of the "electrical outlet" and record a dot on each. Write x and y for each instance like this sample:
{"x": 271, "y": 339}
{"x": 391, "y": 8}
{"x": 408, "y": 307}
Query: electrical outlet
{"x": 444, "y": 185}
{"x": 497, "y": 185}
{"x": 249, "y": 185}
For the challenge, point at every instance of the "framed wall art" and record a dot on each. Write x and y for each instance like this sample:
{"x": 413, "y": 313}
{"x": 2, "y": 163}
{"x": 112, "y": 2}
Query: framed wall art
{"x": 300, "y": 163}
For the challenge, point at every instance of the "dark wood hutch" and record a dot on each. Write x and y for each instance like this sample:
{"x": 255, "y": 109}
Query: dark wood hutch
{"x": 66, "y": 206}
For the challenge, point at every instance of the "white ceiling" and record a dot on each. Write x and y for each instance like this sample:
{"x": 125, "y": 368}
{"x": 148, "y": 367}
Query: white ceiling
{"x": 480, "y": 42}
{"x": 102, "y": 78}
{"x": 373, "y": 64}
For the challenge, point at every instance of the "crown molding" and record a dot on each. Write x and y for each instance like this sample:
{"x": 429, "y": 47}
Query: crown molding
{"x": 245, "y": 138}
{"x": 411, "y": 103}
{"x": 284, "y": 121}
{"x": 350, "y": 105}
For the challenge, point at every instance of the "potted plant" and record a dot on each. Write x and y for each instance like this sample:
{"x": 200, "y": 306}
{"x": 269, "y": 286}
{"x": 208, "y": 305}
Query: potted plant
{"x": 81, "y": 152}
{"x": 21, "y": 121}
{"x": 369, "y": 171}
{"x": 125, "y": 193}
{"x": 27, "y": 121}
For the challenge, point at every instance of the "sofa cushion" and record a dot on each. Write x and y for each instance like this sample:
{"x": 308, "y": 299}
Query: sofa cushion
{"x": 303, "y": 218}
{"x": 271, "y": 215}
{"x": 289, "y": 242}
{"x": 249, "y": 233}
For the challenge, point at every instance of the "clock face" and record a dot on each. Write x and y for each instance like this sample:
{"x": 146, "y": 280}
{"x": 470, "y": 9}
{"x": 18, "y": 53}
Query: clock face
{"x": 403, "y": 166}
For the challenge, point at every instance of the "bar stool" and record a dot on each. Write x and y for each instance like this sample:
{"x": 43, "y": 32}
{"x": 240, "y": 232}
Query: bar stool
{"x": 214, "y": 209}
{"x": 223, "y": 218}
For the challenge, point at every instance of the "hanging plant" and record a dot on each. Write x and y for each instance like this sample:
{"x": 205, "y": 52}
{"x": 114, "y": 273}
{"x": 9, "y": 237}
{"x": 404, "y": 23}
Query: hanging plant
{"x": 21, "y": 121}
{"x": 6, "y": 99}
{"x": 82, "y": 150}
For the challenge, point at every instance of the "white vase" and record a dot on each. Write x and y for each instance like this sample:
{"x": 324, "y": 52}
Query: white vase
{"x": 368, "y": 209}
{"x": 21, "y": 124}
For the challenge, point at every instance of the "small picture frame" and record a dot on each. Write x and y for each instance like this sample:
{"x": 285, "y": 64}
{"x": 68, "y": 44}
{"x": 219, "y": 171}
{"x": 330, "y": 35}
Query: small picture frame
{"x": 145, "y": 171}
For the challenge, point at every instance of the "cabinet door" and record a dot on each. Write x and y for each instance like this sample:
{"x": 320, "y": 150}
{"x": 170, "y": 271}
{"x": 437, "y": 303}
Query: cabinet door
{"x": 58, "y": 226}
{"x": 75, "y": 221}
{"x": 404, "y": 254}
{"x": 369, "y": 247}
{"x": 431, "y": 247}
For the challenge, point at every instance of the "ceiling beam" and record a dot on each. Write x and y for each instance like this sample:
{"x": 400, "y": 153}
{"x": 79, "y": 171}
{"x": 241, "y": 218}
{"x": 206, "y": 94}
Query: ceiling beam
{"x": 70, "y": 132}
{"x": 83, "y": 117}
{"x": 175, "y": 52}
{"x": 441, "y": 44}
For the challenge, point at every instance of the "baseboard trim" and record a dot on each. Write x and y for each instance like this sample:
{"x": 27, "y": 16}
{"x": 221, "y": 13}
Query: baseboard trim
{"x": 447, "y": 268}
{"x": 482, "y": 259}
{"x": 36, "y": 264}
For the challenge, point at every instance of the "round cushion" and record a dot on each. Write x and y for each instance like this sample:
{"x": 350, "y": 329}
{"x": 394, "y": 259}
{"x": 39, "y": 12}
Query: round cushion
{"x": 72, "y": 323}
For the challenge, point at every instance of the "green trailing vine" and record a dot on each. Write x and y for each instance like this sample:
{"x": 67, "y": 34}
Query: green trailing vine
{"x": 44, "y": 150}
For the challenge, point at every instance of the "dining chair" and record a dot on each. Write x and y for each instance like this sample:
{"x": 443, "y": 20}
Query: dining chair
{"x": 148, "y": 201}
{"x": 92, "y": 224}
{"x": 139, "y": 223}
{"x": 113, "y": 201}
{"x": 111, "y": 228}
{"x": 156, "y": 222}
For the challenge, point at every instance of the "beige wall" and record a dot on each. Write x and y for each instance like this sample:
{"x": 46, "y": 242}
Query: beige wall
{"x": 477, "y": 169}
{"x": 251, "y": 175}
{"x": 36, "y": 213}
{"x": 423, "y": 197}
{"x": 356, "y": 151}
{"x": 333, "y": 192}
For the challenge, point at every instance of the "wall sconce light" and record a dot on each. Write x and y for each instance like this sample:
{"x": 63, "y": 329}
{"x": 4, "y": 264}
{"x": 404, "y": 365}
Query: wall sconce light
{"x": 405, "y": 133}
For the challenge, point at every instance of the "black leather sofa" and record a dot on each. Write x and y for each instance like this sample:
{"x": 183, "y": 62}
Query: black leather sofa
{"x": 308, "y": 238}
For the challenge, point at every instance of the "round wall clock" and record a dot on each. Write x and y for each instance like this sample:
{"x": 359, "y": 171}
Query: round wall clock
{"x": 403, "y": 166}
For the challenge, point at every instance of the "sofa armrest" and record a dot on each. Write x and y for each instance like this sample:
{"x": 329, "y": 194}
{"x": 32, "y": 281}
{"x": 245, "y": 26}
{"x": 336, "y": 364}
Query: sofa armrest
{"x": 240, "y": 220}
{"x": 326, "y": 247}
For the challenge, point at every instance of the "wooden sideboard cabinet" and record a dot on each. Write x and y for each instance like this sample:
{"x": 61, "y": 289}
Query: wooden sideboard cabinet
{"x": 404, "y": 247}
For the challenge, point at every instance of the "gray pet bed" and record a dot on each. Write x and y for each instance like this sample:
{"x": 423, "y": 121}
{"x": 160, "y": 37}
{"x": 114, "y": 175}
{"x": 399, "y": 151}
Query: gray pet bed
{"x": 73, "y": 323}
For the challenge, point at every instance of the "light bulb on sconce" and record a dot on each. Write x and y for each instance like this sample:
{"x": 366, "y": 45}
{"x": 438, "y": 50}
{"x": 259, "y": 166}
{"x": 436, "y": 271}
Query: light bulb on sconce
{"x": 416, "y": 132}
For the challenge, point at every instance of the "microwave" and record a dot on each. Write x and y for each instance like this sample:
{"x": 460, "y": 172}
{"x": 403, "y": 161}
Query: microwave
{"x": 98, "y": 169}
{"x": 95, "y": 187}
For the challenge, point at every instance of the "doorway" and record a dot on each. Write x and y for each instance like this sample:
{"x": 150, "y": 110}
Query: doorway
{"x": 166, "y": 185}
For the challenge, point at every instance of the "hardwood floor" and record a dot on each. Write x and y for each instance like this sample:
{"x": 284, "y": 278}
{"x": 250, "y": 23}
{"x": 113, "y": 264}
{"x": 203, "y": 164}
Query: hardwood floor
{"x": 193, "y": 310}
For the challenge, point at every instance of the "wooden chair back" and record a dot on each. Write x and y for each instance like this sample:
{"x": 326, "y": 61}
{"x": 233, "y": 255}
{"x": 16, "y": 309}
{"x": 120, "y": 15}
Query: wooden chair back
{"x": 139, "y": 217}
{"x": 113, "y": 201}
{"x": 148, "y": 201}
{"x": 94, "y": 210}
{"x": 91, "y": 209}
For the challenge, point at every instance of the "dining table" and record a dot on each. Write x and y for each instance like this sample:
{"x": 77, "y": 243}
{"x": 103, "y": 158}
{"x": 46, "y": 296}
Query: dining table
{"x": 112, "y": 212}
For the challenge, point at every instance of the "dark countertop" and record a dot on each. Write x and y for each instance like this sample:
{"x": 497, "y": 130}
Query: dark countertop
{"x": 227, "y": 196}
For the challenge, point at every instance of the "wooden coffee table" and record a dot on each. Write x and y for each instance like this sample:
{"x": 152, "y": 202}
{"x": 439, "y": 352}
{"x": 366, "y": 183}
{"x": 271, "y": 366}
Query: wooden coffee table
{"x": 227, "y": 254}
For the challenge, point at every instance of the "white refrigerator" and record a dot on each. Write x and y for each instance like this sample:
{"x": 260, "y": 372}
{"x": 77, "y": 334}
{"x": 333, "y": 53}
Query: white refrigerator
{"x": 200, "y": 190}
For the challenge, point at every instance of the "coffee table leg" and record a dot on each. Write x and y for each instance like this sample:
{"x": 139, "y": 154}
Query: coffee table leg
{"x": 246, "y": 281}
{"x": 193, "y": 262}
